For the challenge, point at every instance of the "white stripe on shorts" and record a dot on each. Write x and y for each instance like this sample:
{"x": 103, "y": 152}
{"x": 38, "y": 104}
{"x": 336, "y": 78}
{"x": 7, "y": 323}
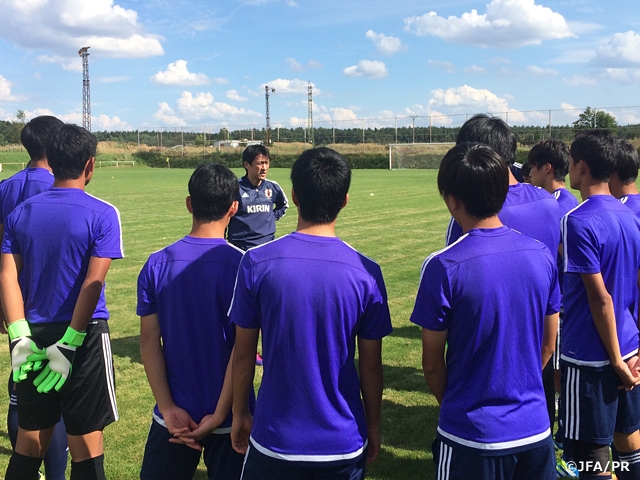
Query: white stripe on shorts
{"x": 572, "y": 403}
{"x": 108, "y": 367}
{"x": 444, "y": 462}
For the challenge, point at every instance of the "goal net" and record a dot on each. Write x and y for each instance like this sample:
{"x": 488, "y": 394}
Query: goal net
{"x": 114, "y": 163}
{"x": 417, "y": 155}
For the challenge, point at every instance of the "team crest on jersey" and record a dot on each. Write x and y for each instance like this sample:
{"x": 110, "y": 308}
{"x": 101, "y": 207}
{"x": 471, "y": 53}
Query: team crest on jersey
{"x": 268, "y": 193}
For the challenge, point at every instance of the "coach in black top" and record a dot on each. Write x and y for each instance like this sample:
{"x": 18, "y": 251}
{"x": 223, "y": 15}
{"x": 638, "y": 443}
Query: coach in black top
{"x": 260, "y": 202}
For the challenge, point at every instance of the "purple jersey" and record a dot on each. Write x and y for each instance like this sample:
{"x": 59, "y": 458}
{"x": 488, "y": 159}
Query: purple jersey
{"x": 491, "y": 290}
{"x": 189, "y": 284}
{"x": 633, "y": 202}
{"x": 56, "y": 232}
{"x": 599, "y": 236}
{"x": 529, "y": 210}
{"x": 567, "y": 201}
{"x": 24, "y": 184}
{"x": 258, "y": 209}
{"x": 311, "y": 296}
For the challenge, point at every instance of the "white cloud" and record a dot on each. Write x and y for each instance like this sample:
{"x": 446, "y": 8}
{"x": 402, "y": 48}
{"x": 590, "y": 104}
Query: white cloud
{"x": 621, "y": 50}
{"x": 475, "y": 70}
{"x": 623, "y": 75}
{"x": 579, "y": 81}
{"x": 506, "y": 24}
{"x": 98, "y": 123}
{"x": 286, "y": 87}
{"x": 112, "y": 79}
{"x": 178, "y": 74}
{"x": 385, "y": 44}
{"x": 70, "y": 64}
{"x": 191, "y": 109}
{"x": 439, "y": 64}
{"x": 342, "y": 114}
{"x": 541, "y": 72}
{"x": 234, "y": 95}
{"x": 367, "y": 68}
{"x": 166, "y": 116}
{"x": 5, "y": 92}
{"x": 63, "y": 26}
{"x": 220, "y": 81}
{"x": 298, "y": 67}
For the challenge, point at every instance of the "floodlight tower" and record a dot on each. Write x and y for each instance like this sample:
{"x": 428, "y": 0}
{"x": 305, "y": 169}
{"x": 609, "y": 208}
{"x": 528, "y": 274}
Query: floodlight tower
{"x": 310, "y": 115}
{"x": 266, "y": 96}
{"x": 86, "y": 94}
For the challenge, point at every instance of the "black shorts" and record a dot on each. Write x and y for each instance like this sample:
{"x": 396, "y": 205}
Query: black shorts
{"x": 163, "y": 459}
{"x": 87, "y": 401}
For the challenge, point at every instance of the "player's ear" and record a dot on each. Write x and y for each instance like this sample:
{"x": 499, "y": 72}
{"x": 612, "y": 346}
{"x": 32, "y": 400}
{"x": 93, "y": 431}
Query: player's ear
{"x": 88, "y": 169}
{"x": 188, "y": 203}
{"x": 346, "y": 200}
{"x": 233, "y": 209}
{"x": 294, "y": 198}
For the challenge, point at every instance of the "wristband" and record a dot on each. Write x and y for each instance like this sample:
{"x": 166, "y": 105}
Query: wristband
{"x": 19, "y": 328}
{"x": 73, "y": 337}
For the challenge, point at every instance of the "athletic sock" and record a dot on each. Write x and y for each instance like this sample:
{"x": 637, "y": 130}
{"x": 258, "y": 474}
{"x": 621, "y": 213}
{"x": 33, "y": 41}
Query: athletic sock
{"x": 22, "y": 467}
{"x": 629, "y": 466}
{"x": 90, "y": 469}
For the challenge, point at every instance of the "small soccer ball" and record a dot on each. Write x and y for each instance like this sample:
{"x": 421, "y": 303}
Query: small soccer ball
{"x": 371, "y": 194}
{"x": 113, "y": 177}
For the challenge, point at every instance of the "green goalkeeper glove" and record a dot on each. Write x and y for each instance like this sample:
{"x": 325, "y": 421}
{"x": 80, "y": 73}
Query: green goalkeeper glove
{"x": 25, "y": 355}
{"x": 60, "y": 356}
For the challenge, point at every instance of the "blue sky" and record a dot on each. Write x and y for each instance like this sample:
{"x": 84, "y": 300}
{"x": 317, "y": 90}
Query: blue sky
{"x": 188, "y": 64}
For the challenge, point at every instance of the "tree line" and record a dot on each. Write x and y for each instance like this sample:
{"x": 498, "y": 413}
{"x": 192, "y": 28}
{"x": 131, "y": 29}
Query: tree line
{"x": 527, "y": 135}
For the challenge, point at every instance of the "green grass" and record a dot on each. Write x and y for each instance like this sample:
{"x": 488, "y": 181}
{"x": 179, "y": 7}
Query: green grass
{"x": 398, "y": 226}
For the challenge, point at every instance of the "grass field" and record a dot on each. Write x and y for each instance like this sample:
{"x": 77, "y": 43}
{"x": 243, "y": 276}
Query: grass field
{"x": 394, "y": 217}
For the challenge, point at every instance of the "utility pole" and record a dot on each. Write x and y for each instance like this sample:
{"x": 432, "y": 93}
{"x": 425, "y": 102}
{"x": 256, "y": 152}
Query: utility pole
{"x": 413, "y": 127}
{"x": 268, "y": 128}
{"x": 310, "y": 115}
{"x": 86, "y": 94}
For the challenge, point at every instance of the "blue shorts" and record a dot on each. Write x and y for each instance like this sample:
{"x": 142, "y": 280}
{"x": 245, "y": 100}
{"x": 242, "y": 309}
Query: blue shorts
{"x": 258, "y": 466}
{"x": 538, "y": 463}
{"x": 594, "y": 407}
{"x": 163, "y": 459}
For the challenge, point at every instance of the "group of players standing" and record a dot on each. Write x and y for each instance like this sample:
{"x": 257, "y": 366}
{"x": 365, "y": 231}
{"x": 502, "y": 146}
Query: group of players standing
{"x": 488, "y": 305}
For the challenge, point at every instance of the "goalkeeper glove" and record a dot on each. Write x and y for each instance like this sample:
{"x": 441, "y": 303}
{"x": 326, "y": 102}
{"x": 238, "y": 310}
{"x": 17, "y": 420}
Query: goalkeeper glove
{"x": 24, "y": 351}
{"x": 60, "y": 356}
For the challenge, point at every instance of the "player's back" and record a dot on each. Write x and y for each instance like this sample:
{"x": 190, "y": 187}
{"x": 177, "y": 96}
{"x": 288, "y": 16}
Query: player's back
{"x": 56, "y": 233}
{"x": 529, "y": 210}
{"x": 499, "y": 286}
{"x": 633, "y": 202}
{"x": 601, "y": 235}
{"x": 21, "y": 186}
{"x": 311, "y": 296}
{"x": 189, "y": 284}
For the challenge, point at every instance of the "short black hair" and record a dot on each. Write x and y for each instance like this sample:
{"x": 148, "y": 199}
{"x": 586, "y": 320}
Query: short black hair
{"x": 36, "y": 133}
{"x": 526, "y": 169}
{"x": 252, "y": 151}
{"x": 597, "y": 149}
{"x": 321, "y": 179}
{"x": 213, "y": 188}
{"x": 626, "y": 161}
{"x": 68, "y": 150}
{"x": 554, "y": 152}
{"x": 476, "y": 175}
{"x": 492, "y": 131}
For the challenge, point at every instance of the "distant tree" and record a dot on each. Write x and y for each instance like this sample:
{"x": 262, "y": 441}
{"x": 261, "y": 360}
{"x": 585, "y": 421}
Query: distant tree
{"x": 592, "y": 118}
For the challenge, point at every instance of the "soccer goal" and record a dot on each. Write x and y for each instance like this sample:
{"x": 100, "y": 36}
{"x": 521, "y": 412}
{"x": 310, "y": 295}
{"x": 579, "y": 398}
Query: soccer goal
{"x": 115, "y": 163}
{"x": 12, "y": 167}
{"x": 417, "y": 155}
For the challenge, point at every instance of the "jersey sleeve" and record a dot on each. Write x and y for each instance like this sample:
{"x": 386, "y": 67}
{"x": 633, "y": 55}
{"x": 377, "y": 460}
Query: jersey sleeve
{"x": 244, "y": 307}
{"x": 146, "y": 291}
{"x": 108, "y": 240}
{"x": 454, "y": 232}
{"x": 433, "y": 302}
{"x": 580, "y": 246}
{"x": 281, "y": 203}
{"x": 555, "y": 298}
{"x": 9, "y": 241}
{"x": 376, "y": 321}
